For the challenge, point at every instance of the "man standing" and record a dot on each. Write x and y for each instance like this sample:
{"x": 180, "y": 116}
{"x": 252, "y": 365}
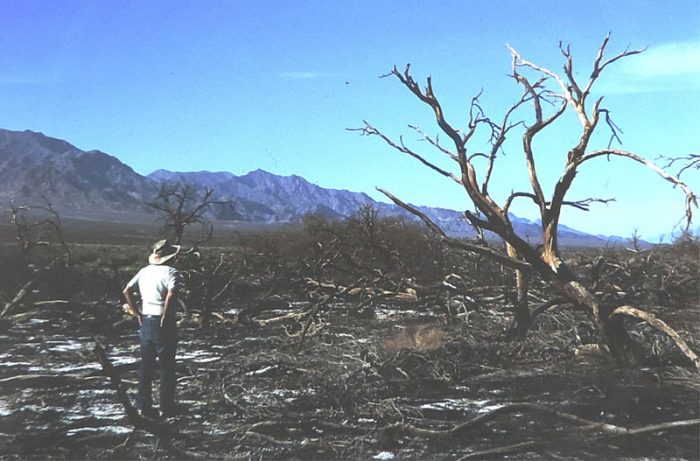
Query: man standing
{"x": 158, "y": 283}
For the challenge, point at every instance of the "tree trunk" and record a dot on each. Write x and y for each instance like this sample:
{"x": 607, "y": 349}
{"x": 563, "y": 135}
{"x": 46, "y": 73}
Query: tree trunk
{"x": 522, "y": 318}
{"x": 611, "y": 328}
{"x": 205, "y": 313}
{"x": 179, "y": 231}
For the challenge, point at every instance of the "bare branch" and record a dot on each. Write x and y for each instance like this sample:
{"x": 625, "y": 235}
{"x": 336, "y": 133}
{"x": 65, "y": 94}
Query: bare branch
{"x": 583, "y": 205}
{"x": 369, "y": 130}
{"x": 428, "y": 97}
{"x": 692, "y": 162}
{"x": 498, "y": 137}
{"x": 518, "y": 61}
{"x": 690, "y": 197}
{"x": 514, "y": 195}
{"x": 569, "y": 71}
{"x": 460, "y": 244}
{"x": 434, "y": 142}
{"x": 476, "y": 221}
{"x": 662, "y": 326}
{"x": 530, "y": 132}
{"x": 598, "y": 67}
{"x": 479, "y": 155}
{"x": 614, "y": 129}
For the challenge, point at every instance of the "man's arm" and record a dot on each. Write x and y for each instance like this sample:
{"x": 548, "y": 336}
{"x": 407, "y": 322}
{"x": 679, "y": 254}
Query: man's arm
{"x": 168, "y": 300}
{"x": 130, "y": 302}
{"x": 173, "y": 288}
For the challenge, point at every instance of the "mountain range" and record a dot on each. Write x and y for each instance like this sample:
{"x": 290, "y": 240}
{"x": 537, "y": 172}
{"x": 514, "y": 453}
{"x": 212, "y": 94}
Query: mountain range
{"x": 97, "y": 186}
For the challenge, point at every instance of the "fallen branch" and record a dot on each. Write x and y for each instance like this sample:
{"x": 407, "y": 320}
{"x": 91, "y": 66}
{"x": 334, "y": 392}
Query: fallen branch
{"x": 506, "y": 450}
{"x": 269, "y": 439}
{"x": 588, "y": 425}
{"x": 49, "y": 438}
{"x": 162, "y": 430}
{"x": 274, "y": 425}
{"x": 52, "y": 302}
{"x": 157, "y": 428}
{"x": 44, "y": 381}
{"x": 409, "y": 295}
{"x": 19, "y": 297}
{"x": 282, "y": 318}
{"x": 662, "y": 326}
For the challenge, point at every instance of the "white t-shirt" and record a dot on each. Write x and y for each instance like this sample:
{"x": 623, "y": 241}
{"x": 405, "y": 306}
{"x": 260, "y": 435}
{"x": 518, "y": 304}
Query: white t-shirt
{"x": 154, "y": 282}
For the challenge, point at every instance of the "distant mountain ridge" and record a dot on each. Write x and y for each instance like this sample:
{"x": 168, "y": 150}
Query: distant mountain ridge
{"x": 269, "y": 198}
{"x": 265, "y": 197}
{"x": 95, "y": 185}
{"x": 78, "y": 183}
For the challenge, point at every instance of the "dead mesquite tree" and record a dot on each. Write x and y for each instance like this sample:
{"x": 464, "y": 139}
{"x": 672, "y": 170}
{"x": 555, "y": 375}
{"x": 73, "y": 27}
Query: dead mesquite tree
{"x": 38, "y": 225}
{"x": 566, "y": 93}
{"x": 208, "y": 282}
{"x": 181, "y": 206}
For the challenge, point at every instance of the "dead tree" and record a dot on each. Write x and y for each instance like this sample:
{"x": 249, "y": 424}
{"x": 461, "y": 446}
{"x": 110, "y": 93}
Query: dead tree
{"x": 181, "y": 206}
{"x": 38, "y": 226}
{"x": 562, "y": 93}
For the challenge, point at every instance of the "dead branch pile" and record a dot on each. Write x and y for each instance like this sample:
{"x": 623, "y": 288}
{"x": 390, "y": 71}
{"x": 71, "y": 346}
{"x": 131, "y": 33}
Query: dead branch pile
{"x": 303, "y": 375}
{"x": 328, "y": 343}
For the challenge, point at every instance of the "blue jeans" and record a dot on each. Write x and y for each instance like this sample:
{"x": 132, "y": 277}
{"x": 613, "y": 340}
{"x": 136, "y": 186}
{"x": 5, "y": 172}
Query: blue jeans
{"x": 161, "y": 342}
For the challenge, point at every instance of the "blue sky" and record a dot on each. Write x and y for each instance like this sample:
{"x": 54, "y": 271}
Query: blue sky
{"x": 240, "y": 85}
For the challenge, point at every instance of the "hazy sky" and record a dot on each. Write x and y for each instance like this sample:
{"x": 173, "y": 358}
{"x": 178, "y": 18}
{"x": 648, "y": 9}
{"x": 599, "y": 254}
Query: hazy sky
{"x": 240, "y": 85}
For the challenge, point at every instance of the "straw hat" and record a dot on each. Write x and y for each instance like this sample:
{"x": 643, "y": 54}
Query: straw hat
{"x": 162, "y": 252}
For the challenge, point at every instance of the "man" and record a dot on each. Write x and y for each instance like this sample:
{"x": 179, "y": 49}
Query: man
{"x": 158, "y": 283}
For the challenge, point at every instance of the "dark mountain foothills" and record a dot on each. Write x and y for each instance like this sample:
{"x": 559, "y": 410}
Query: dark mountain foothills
{"x": 95, "y": 186}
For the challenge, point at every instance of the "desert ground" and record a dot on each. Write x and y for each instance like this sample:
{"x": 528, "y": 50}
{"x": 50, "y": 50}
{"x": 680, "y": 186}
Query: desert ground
{"x": 350, "y": 340}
